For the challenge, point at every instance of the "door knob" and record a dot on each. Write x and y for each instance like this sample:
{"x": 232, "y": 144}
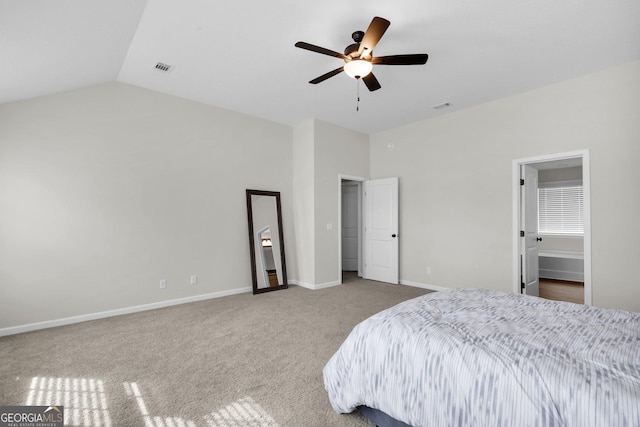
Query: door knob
{"x": 539, "y": 239}
{"x": 393, "y": 235}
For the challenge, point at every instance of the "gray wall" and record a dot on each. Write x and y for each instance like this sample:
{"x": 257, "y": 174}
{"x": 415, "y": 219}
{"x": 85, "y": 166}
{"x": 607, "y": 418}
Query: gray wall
{"x": 106, "y": 190}
{"x": 455, "y": 182}
{"x": 337, "y": 151}
{"x": 322, "y": 152}
{"x": 304, "y": 201}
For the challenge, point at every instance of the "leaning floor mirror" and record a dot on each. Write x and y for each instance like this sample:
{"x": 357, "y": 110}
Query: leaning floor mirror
{"x": 268, "y": 267}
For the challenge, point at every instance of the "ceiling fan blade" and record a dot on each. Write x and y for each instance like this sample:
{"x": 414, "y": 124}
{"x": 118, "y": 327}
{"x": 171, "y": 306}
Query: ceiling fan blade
{"x": 322, "y": 50}
{"x": 326, "y": 76}
{"x": 371, "y": 82}
{"x": 372, "y": 36}
{"x": 415, "y": 59}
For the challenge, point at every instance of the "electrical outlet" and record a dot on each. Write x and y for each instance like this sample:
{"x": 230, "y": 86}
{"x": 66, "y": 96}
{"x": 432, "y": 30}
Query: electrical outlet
{"x": 429, "y": 270}
{"x": 163, "y": 284}
{"x": 194, "y": 280}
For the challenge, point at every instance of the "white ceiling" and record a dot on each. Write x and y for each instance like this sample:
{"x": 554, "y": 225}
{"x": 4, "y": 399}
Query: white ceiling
{"x": 240, "y": 55}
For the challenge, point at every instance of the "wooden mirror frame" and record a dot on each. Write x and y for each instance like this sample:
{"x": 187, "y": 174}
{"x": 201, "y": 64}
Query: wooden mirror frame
{"x": 252, "y": 245}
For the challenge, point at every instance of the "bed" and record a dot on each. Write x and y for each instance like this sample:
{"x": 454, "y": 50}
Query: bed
{"x": 474, "y": 357}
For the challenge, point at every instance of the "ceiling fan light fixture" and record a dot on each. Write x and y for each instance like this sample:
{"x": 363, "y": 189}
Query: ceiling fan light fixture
{"x": 358, "y": 57}
{"x": 358, "y": 68}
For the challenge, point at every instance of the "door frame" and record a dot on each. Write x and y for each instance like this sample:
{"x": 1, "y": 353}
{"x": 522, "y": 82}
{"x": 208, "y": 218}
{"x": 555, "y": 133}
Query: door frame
{"x": 359, "y": 180}
{"x": 586, "y": 190}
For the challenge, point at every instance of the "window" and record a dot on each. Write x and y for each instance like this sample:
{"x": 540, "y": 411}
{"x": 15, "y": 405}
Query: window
{"x": 561, "y": 208}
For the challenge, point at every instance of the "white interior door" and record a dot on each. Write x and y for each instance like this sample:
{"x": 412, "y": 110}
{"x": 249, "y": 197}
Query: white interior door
{"x": 529, "y": 223}
{"x": 381, "y": 230}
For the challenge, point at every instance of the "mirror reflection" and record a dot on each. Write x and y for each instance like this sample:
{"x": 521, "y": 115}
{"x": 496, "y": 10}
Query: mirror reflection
{"x": 265, "y": 237}
{"x": 268, "y": 267}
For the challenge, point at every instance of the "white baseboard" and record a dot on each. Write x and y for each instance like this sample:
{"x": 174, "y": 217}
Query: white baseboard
{"x": 12, "y": 330}
{"x": 314, "y": 287}
{"x": 422, "y": 285}
{"x": 573, "y": 276}
{"x": 336, "y": 283}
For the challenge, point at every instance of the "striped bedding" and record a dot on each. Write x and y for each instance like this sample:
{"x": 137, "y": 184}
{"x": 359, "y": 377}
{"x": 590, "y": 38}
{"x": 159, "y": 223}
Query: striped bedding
{"x": 474, "y": 357}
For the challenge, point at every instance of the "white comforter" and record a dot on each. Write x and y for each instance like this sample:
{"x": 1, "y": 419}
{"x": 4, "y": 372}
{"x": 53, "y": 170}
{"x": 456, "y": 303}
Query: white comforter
{"x": 472, "y": 357}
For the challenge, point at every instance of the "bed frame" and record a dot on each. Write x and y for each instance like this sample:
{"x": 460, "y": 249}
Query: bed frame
{"x": 380, "y": 418}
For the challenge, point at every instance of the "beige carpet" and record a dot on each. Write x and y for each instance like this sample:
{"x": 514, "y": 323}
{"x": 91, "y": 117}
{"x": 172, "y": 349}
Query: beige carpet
{"x": 242, "y": 360}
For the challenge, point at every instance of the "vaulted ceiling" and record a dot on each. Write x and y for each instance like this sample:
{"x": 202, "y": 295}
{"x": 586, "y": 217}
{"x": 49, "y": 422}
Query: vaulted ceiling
{"x": 240, "y": 55}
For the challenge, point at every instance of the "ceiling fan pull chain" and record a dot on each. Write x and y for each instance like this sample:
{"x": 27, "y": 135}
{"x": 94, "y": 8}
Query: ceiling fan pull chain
{"x": 358, "y": 94}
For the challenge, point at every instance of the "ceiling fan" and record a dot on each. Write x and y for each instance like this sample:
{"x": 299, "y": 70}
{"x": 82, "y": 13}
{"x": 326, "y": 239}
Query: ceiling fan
{"x": 358, "y": 57}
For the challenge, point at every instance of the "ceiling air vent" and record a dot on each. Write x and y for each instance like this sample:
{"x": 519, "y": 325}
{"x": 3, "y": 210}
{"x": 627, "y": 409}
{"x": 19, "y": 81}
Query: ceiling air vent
{"x": 164, "y": 67}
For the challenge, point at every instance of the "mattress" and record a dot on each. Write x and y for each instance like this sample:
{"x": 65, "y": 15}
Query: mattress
{"x": 474, "y": 357}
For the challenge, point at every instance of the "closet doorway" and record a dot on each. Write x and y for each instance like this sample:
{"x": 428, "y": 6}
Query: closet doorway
{"x": 350, "y": 245}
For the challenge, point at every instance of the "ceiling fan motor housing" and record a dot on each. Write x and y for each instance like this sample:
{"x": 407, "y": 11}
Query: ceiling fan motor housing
{"x": 352, "y": 50}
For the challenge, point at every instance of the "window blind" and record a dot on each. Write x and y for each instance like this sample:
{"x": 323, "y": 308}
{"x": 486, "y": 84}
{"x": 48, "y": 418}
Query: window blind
{"x": 560, "y": 210}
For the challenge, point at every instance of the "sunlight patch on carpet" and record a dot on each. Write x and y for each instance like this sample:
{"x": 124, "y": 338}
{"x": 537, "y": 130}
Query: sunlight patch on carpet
{"x": 85, "y": 404}
{"x": 244, "y": 412}
{"x": 84, "y": 399}
{"x": 132, "y": 390}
